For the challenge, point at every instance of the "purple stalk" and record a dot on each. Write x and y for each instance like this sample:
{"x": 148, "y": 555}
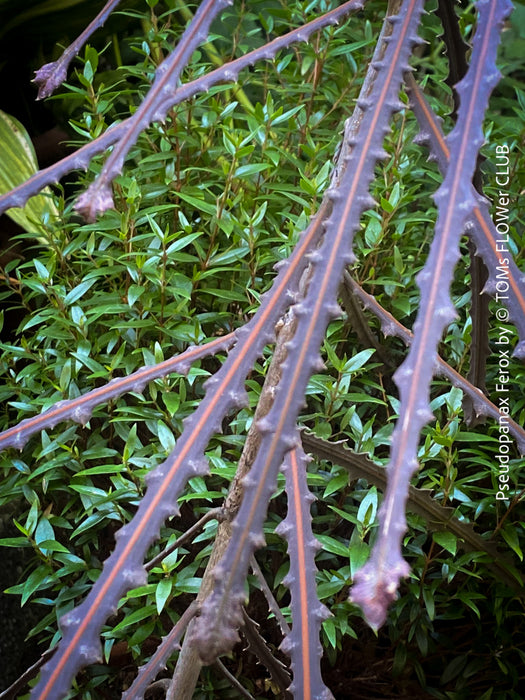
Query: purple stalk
{"x": 302, "y": 644}
{"x": 491, "y": 245}
{"x": 80, "y": 409}
{"x": 215, "y": 632}
{"x": 18, "y": 196}
{"x": 168, "y": 646}
{"x": 52, "y": 75}
{"x": 482, "y": 405}
{"x": 376, "y": 583}
{"x": 154, "y": 107}
{"x": 124, "y": 569}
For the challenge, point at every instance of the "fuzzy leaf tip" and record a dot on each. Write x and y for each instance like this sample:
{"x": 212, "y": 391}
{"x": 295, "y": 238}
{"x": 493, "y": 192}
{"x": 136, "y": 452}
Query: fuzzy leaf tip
{"x": 95, "y": 200}
{"x": 49, "y": 77}
{"x": 375, "y": 588}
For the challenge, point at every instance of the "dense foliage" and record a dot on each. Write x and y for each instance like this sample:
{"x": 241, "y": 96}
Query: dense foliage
{"x": 207, "y": 204}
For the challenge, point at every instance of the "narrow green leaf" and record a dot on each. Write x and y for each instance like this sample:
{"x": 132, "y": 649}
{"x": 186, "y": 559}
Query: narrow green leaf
{"x": 162, "y": 593}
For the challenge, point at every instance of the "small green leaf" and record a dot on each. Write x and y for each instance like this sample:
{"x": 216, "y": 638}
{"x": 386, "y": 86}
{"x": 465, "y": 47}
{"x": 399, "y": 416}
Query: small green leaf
{"x": 358, "y": 360}
{"x": 199, "y": 204}
{"x": 47, "y": 546}
{"x": 165, "y": 436}
{"x": 446, "y": 540}
{"x": 359, "y": 552}
{"x": 336, "y": 484}
{"x": 162, "y": 593}
{"x": 334, "y": 546}
{"x": 330, "y": 631}
{"x": 510, "y": 536}
{"x": 37, "y": 579}
{"x": 367, "y": 508}
{"x": 135, "y": 291}
{"x": 14, "y": 542}
{"x": 251, "y": 169}
{"x": 428, "y": 598}
{"x": 135, "y": 616}
{"x": 172, "y": 402}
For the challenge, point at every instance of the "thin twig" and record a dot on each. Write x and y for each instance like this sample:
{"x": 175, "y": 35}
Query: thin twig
{"x": 235, "y": 683}
{"x": 214, "y": 514}
{"x": 272, "y": 603}
{"x": 13, "y": 690}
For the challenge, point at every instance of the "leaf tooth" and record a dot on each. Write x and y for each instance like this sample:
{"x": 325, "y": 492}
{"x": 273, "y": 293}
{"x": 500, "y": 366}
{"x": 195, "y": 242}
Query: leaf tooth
{"x": 300, "y": 309}
{"x": 264, "y": 426}
{"x": 155, "y": 475}
{"x": 315, "y": 256}
{"x": 363, "y": 103}
{"x": 197, "y": 466}
{"x": 95, "y": 200}
{"x": 134, "y": 577}
{"x": 73, "y": 619}
{"x": 425, "y": 415}
{"x": 352, "y": 142}
{"x": 211, "y": 382}
{"x": 229, "y": 74}
{"x": 397, "y": 105}
{"x": 18, "y": 441}
{"x": 238, "y": 398}
{"x": 403, "y": 373}
{"x": 519, "y": 350}
{"x": 257, "y": 539}
{"x": 493, "y": 77}
{"x": 284, "y": 528}
{"x": 249, "y": 481}
{"x": 138, "y": 386}
{"x": 392, "y": 19}
{"x": 334, "y": 194}
{"x": 419, "y": 41}
{"x": 333, "y": 309}
{"x": 318, "y": 364}
{"x": 320, "y": 612}
{"x": 81, "y": 415}
{"x": 289, "y": 580}
{"x": 423, "y": 276}
{"x": 379, "y": 153}
{"x": 17, "y": 200}
{"x": 287, "y": 645}
{"x": 268, "y": 54}
{"x": 281, "y": 264}
{"x": 389, "y": 328}
{"x": 367, "y": 200}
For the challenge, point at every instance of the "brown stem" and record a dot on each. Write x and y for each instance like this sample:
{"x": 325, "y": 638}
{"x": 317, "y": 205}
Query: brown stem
{"x": 189, "y": 664}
